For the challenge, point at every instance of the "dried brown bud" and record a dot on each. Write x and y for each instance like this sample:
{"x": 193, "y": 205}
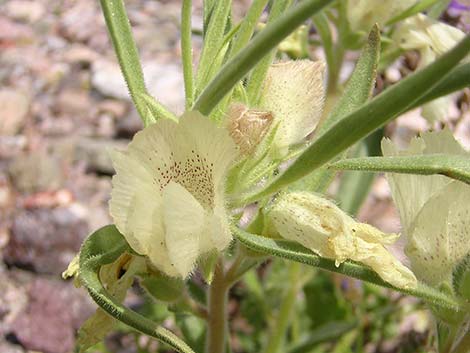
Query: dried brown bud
{"x": 248, "y": 126}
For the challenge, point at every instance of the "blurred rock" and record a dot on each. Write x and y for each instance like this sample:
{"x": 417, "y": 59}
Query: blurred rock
{"x": 65, "y": 309}
{"x": 81, "y": 20}
{"x": 73, "y": 102}
{"x": 79, "y": 53}
{"x": 12, "y": 145}
{"x": 114, "y": 107}
{"x": 29, "y": 11}
{"x": 14, "y": 33}
{"x": 12, "y": 301}
{"x": 6, "y": 347}
{"x": 35, "y": 233}
{"x": 164, "y": 81}
{"x": 95, "y": 153}
{"x": 37, "y": 171}
{"x": 129, "y": 125}
{"x": 14, "y": 107}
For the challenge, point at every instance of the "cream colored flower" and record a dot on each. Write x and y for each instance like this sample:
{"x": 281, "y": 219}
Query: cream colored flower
{"x": 168, "y": 193}
{"x": 294, "y": 93}
{"x": 322, "y": 227}
{"x": 434, "y": 211}
{"x": 363, "y": 14}
{"x": 432, "y": 39}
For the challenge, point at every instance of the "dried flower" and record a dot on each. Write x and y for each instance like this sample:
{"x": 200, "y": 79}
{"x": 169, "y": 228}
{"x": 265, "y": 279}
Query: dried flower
{"x": 319, "y": 225}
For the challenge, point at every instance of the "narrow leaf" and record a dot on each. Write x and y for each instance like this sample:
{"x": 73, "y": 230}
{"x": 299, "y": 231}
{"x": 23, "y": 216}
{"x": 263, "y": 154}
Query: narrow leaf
{"x": 258, "y": 74}
{"x": 325, "y": 333}
{"x": 248, "y": 25}
{"x": 236, "y": 68}
{"x": 103, "y": 247}
{"x": 155, "y": 109}
{"x": 453, "y": 166}
{"x": 420, "y": 6}
{"x": 295, "y": 252}
{"x": 126, "y": 50}
{"x": 379, "y": 111}
{"x": 187, "y": 52}
{"x": 457, "y": 79}
{"x": 213, "y": 39}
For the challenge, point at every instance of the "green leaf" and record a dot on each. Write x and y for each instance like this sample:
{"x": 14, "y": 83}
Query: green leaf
{"x": 236, "y": 68}
{"x": 457, "y": 79}
{"x": 327, "y": 332}
{"x": 121, "y": 35}
{"x": 453, "y": 166}
{"x": 155, "y": 109}
{"x": 420, "y": 6}
{"x": 163, "y": 288}
{"x": 295, "y": 252}
{"x": 248, "y": 26}
{"x": 103, "y": 247}
{"x": 361, "y": 122}
{"x": 357, "y": 91}
{"x": 187, "y": 52}
{"x": 361, "y": 84}
{"x": 258, "y": 74}
{"x": 213, "y": 39}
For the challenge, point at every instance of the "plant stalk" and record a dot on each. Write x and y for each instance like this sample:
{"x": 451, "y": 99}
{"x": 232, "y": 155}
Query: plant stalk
{"x": 217, "y": 305}
{"x": 278, "y": 333}
{"x": 464, "y": 345}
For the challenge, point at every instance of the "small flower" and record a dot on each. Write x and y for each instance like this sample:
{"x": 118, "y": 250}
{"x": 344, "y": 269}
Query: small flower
{"x": 319, "y": 225}
{"x": 168, "y": 193}
{"x": 432, "y": 39}
{"x": 363, "y": 14}
{"x": 434, "y": 211}
{"x": 294, "y": 93}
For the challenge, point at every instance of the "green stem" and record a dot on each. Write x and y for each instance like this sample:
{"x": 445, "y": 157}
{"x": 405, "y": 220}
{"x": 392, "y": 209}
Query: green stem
{"x": 277, "y": 338}
{"x": 217, "y": 305}
{"x": 186, "y": 52}
{"x": 235, "y": 69}
{"x": 464, "y": 345}
{"x": 295, "y": 252}
{"x": 126, "y": 50}
{"x": 95, "y": 252}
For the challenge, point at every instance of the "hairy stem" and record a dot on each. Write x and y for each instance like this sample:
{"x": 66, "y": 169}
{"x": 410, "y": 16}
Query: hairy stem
{"x": 217, "y": 304}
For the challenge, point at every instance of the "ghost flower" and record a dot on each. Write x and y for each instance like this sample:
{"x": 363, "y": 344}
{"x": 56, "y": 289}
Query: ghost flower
{"x": 168, "y": 193}
{"x": 294, "y": 93}
{"x": 431, "y": 39}
{"x": 319, "y": 225}
{"x": 434, "y": 211}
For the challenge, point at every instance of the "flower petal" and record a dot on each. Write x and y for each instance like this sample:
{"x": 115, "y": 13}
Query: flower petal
{"x": 184, "y": 220}
{"x": 439, "y": 237}
{"x": 294, "y": 93}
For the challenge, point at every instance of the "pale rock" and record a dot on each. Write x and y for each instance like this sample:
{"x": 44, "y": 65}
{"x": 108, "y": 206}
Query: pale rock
{"x": 29, "y": 11}
{"x": 14, "y": 107}
{"x": 164, "y": 81}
